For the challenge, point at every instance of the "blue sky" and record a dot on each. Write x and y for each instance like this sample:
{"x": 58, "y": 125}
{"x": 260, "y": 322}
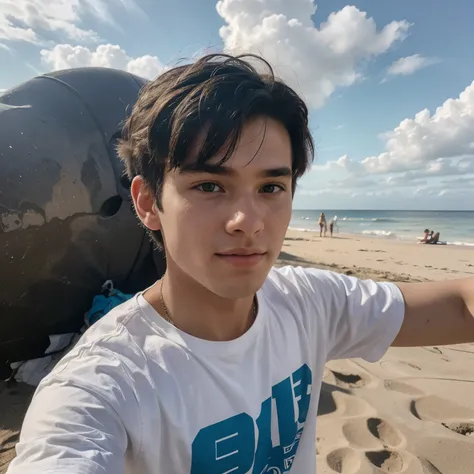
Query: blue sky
{"x": 366, "y": 69}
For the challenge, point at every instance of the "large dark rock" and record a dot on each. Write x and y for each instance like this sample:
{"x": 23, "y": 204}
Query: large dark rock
{"x": 66, "y": 219}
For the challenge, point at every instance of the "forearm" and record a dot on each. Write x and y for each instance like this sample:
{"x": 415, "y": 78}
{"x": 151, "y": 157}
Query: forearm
{"x": 437, "y": 313}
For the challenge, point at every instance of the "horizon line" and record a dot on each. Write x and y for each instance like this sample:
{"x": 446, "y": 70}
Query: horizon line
{"x": 390, "y": 210}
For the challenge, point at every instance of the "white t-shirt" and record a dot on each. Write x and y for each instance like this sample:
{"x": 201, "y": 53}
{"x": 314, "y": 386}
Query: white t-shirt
{"x": 138, "y": 396}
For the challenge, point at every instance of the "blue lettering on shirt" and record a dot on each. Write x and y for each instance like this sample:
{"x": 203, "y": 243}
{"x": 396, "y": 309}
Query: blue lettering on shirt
{"x": 229, "y": 446}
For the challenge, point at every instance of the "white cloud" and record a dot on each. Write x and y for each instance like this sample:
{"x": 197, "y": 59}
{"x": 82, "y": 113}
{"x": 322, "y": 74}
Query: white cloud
{"x": 410, "y": 64}
{"x": 352, "y": 182}
{"x": 145, "y": 66}
{"x": 26, "y": 20}
{"x": 5, "y": 47}
{"x": 429, "y": 160}
{"x": 33, "y": 21}
{"x": 426, "y": 146}
{"x": 438, "y": 196}
{"x": 342, "y": 163}
{"x": 64, "y": 56}
{"x": 315, "y": 61}
{"x": 403, "y": 181}
{"x": 448, "y": 133}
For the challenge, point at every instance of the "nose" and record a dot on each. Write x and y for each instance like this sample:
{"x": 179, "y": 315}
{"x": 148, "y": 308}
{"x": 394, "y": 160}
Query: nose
{"x": 246, "y": 218}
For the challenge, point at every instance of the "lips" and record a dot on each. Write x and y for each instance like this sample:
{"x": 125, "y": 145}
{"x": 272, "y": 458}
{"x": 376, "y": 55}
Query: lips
{"x": 242, "y": 252}
{"x": 242, "y": 257}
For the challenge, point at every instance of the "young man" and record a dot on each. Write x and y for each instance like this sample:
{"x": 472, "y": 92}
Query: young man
{"x": 217, "y": 368}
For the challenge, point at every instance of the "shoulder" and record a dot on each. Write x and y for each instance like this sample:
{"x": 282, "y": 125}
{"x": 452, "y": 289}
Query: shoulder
{"x": 324, "y": 288}
{"x": 107, "y": 353}
{"x": 297, "y": 278}
{"x": 307, "y": 286}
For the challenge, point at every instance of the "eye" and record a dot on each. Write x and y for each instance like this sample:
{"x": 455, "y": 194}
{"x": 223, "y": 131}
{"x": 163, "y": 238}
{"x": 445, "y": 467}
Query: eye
{"x": 209, "y": 187}
{"x": 272, "y": 188}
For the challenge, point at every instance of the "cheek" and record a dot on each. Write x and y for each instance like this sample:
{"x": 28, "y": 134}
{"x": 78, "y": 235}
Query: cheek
{"x": 187, "y": 226}
{"x": 280, "y": 213}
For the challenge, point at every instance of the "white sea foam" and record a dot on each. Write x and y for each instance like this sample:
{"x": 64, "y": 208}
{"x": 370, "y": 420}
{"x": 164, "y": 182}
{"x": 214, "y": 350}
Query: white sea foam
{"x": 466, "y": 244}
{"x": 381, "y": 233}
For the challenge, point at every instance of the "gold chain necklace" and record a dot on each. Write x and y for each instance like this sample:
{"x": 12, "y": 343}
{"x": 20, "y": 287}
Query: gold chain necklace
{"x": 170, "y": 320}
{"x": 167, "y": 314}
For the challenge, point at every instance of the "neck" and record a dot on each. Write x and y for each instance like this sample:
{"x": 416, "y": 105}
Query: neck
{"x": 197, "y": 311}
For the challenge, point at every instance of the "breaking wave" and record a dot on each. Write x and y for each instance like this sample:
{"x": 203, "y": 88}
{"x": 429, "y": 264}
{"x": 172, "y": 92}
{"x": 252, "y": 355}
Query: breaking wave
{"x": 381, "y": 233}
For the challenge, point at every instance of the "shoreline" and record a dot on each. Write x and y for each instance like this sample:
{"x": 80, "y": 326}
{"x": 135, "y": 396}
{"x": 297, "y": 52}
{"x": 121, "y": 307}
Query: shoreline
{"x": 368, "y": 235}
{"x": 377, "y": 258}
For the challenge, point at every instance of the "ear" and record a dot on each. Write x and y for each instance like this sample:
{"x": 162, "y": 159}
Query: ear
{"x": 145, "y": 204}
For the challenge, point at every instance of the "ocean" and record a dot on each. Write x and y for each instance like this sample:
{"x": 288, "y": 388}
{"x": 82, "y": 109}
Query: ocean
{"x": 455, "y": 227}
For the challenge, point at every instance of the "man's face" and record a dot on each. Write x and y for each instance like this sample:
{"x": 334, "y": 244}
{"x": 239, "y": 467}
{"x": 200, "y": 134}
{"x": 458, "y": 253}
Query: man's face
{"x": 224, "y": 227}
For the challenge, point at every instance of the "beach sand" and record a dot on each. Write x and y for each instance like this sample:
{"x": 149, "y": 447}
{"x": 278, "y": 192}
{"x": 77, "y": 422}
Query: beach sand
{"x": 412, "y": 412}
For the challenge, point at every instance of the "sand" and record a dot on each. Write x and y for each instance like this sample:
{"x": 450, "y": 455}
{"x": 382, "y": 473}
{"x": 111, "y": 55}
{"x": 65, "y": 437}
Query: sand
{"x": 412, "y": 412}
{"x": 382, "y": 259}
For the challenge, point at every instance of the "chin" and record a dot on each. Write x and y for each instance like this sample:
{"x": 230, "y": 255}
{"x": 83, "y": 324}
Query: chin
{"x": 234, "y": 288}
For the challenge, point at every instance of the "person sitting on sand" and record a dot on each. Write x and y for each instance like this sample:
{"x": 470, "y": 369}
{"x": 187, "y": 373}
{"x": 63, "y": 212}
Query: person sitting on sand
{"x": 218, "y": 366}
{"x": 426, "y": 237}
{"x": 434, "y": 238}
{"x": 322, "y": 225}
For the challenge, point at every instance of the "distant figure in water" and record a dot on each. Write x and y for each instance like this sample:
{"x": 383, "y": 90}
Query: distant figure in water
{"x": 322, "y": 225}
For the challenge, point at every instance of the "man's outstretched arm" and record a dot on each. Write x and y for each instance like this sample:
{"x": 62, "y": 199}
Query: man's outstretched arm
{"x": 437, "y": 313}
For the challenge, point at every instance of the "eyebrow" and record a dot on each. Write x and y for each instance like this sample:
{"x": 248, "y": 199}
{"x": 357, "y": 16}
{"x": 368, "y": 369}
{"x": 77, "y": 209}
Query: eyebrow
{"x": 228, "y": 171}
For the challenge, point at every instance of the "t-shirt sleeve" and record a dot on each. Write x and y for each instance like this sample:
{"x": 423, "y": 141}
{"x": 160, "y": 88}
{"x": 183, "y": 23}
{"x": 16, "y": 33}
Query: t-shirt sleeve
{"x": 79, "y": 420}
{"x": 360, "y": 318}
{"x": 69, "y": 430}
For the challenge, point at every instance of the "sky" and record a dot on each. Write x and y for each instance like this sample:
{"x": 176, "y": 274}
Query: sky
{"x": 389, "y": 84}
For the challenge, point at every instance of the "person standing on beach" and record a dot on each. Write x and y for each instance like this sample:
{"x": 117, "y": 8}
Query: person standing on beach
{"x": 218, "y": 366}
{"x": 322, "y": 225}
{"x": 331, "y": 225}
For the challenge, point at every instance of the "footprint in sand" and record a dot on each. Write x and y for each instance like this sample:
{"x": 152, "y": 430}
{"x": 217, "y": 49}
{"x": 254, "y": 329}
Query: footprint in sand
{"x": 463, "y": 428}
{"x": 373, "y": 434}
{"x": 400, "y": 367}
{"x": 388, "y": 461}
{"x": 402, "y": 387}
{"x": 434, "y": 350}
{"x": 434, "y": 408}
{"x": 350, "y": 406}
{"x": 429, "y": 467}
{"x": 346, "y": 405}
{"x": 349, "y": 380}
{"x": 344, "y": 461}
{"x": 454, "y": 417}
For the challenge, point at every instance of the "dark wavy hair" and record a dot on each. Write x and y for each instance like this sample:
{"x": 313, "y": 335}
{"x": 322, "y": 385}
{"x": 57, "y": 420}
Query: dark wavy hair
{"x": 214, "y": 96}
